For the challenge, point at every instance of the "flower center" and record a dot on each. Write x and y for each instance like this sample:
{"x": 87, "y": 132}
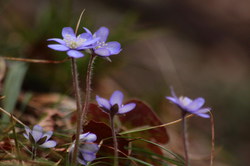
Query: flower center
{"x": 100, "y": 44}
{"x": 184, "y": 100}
{"x": 73, "y": 42}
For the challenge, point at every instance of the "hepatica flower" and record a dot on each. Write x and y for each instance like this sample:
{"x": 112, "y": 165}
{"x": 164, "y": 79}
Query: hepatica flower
{"x": 103, "y": 48}
{"x": 73, "y": 44}
{"x": 39, "y": 138}
{"x": 190, "y": 106}
{"x": 114, "y": 104}
{"x": 87, "y": 148}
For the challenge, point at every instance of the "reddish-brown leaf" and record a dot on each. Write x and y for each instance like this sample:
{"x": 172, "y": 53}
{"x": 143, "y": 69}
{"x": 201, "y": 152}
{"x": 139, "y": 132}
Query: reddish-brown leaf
{"x": 141, "y": 116}
{"x": 104, "y": 133}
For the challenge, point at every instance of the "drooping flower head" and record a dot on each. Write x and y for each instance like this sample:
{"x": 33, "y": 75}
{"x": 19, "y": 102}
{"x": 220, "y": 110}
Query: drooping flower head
{"x": 73, "y": 44}
{"x": 190, "y": 106}
{"x": 114, "y": 104}
{"x": 39, "y": 138}
{"x": 87, "y": 148}
{"x": 103, "y": 48}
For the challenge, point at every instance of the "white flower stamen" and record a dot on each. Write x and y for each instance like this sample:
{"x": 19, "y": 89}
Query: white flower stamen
{"x": 73, "y": 42}
{"x": 100, "y": 44}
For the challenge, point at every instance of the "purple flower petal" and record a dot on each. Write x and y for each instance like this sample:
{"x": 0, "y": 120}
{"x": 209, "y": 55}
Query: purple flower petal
{"x": 60, "y": 41}
{"x": 173, "y": 99}
{"x": 196, "y": 104}
{"x": 37, "y": 132}
{"x": 113, "y": 47}
{"x": 92, "y": 41}
{"x": 68, "y": 31}
{"x": 27, "y": 130}
{"x": 86, "y": 36}
{"x": 89, "y": 156}
{"x": 103, "y": 102}
{"x": 48, "y": 135}
{"x": 48, "y": 144}
{"x": 87, "y": 30}
{"x": 25, "y": 135}
{"x": 126, "y": 108}
{"x": 102, "y": 52}
{"x": 81, "y": 161}
{"x": 75, "y": 54}
{"x": 172, "y": 92}
{"x": 58, "y": 47}
{"x": 88, "y": 137}
{"x": 203, "y": 115}
{"x": 89, "y": 148}
{"x": 116, "y": 98}
{"x": 204, "y": 110}
{"x": 102, "y": 33}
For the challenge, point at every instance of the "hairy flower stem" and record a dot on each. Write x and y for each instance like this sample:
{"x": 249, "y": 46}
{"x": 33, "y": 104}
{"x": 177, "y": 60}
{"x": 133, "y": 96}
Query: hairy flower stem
{"x": 185, "y": 141}
{"x": 111, "y": 117}
{"x": 81, "y": 112}
{"x": 88, "y": 89}
{"x": 78, "y": 106}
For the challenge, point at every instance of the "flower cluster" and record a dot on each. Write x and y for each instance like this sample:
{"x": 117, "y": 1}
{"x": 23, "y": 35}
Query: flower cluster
{"x": 39, "y": 138}
{"x": 73, "y": 44}
{"x": 87, "y": 148}
{"x": 190, "y": 106}
{"x": 114, "y": 104}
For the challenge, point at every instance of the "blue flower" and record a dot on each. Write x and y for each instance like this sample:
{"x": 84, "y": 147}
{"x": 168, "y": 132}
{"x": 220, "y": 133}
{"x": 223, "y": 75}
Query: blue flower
{"x": 38, "y": 137}
{"x": 190, "y": 106}
{"x": 73, "y": 44}
{"x": 102, "y": 48}
{"x": 87, "y": 149}
{"x": 114, "y": 105}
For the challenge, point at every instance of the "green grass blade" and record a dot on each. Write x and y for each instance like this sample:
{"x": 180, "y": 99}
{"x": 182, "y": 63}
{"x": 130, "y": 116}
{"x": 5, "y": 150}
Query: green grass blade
{"x": 154, "y": 156}
{"x": 12, "y": 87}
{"x": 140, "y": 161}
{"x": 160, "y": 146}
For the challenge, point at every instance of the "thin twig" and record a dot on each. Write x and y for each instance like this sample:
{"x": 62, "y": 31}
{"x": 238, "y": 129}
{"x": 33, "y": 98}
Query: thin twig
{"x": 13, "y": 117}
{"x": 79, "y": 21}
{"x": 34, "y": 60}
{"x": 154, "y": 127}
{"x": 184, "y": 130}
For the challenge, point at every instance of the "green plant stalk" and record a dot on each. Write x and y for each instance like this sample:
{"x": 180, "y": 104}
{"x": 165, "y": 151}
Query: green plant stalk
{"x": 78, "y": 106}
{"x": 184, "y": 131}
{"x": 34, "y": 148}
{"x": 81, "y": 112}
{"x": 111, "y": 118}
{"x": 16, "y": 142}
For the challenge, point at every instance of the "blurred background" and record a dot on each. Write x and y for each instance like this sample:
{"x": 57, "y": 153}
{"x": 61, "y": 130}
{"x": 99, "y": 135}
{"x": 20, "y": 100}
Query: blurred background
{"x": 201, "y": 48}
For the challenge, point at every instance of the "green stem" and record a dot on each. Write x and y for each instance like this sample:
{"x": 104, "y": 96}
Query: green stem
{"x": 34, "y": 148}
{"x": 78, "y": 106}
{"x": 111, "y": 117}
{"x": 184, "y": 127}
{"x": 16, "y": 142}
